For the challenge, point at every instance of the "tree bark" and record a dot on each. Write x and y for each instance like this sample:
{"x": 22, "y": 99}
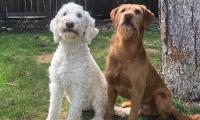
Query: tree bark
{"x": 180, "y": 34}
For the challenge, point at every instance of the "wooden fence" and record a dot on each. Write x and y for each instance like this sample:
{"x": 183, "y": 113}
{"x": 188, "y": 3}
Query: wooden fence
{"x": 48, "y": 8}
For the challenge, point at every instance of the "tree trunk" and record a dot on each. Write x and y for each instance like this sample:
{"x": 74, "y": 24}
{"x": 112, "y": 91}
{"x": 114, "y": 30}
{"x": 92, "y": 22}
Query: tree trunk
{"x": 180, "y": 31}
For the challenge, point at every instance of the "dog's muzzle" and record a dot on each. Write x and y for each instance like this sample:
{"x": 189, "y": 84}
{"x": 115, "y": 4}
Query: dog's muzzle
{"x": 70, "y": 28}
{"x": 127, "y": 19}
{"x": 69, "y": 25}
{"x": 128, "y": 16}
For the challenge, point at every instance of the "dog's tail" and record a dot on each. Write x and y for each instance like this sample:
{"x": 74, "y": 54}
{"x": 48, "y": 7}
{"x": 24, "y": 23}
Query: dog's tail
{"x": 126, "y": 104}
{"x": 175, "y": 113}
{"x": 123, "y": 112}
{"x": 180, "y": 116}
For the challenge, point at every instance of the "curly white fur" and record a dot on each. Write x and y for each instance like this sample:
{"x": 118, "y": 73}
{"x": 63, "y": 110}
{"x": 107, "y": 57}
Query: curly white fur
{"x": 73, "y": 71}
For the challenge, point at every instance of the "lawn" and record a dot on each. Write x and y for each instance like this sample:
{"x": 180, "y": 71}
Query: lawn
{"x": 24, "y": 92}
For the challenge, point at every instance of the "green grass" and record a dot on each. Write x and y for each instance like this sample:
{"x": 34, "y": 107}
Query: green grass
{"x": 153, "y": 44}
{"x": 23, "y": 82}
{"x": 24, "y": 92}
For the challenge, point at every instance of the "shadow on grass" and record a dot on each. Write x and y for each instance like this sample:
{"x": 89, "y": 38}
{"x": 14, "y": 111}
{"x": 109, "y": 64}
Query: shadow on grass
{"x": 87, "y": 115}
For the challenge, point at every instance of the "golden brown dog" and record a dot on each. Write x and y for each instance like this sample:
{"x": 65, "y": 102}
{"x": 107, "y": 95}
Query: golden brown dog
{"x": 129, "y": 72}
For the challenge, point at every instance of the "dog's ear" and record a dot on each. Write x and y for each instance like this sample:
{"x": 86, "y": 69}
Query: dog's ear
{"x": 148, "y": 17}
{"x": 113, "y": 16}
{"x": 54, "y": 29}
{"x": 90, "y": 30}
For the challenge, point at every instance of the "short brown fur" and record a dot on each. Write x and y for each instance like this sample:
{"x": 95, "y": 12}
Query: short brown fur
{"x": 129, "y": 72}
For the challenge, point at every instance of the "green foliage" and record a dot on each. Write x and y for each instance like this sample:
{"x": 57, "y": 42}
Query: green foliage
{"x": 154, "y": 27}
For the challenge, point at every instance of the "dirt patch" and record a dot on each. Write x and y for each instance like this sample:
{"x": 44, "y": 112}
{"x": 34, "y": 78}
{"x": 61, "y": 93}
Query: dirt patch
{"x": 44, "y": 58}
{"x": 190, "y": 105}
{"x": 24, "y": 25}
{"x": 42, "y": 25}
{"x": 152, "y": 50}
{"x": 154, "y": 42}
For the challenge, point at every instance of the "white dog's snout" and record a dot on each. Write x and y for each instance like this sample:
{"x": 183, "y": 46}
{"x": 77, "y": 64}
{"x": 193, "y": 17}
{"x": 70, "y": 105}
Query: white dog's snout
{"x": 69, "y": 24}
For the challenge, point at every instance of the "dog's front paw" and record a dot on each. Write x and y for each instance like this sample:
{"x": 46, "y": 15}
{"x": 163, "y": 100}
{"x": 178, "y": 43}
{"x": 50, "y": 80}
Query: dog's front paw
{"x": 97, "y": 118}
{"x": 108, "y": 118}
{"x": 48, "y": 118}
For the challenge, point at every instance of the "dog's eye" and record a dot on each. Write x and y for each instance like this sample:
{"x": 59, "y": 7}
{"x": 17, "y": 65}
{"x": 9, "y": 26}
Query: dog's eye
{"x": 79, "y": 15}
{"x": 64, "y": 14}
{"x": 137, "y": 12}
{"x": 123, "y": 10}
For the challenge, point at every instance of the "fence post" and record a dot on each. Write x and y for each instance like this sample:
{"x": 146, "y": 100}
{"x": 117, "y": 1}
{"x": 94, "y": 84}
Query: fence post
{"x": 3, "y": 9}
{"x": 94, "y": 7}
{"x": 46, "y": 8}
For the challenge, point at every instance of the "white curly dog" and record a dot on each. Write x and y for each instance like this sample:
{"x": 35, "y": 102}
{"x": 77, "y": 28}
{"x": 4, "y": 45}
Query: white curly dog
{"x": 73, "y": 71}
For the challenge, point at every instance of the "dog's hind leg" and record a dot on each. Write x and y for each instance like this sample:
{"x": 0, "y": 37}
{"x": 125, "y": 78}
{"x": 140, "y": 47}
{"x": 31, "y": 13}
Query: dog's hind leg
{"x": 55, "y": 101}
{"x": 99, "y": 112}
{"x": 99, "y": 105}
{"x": 163, "y": 104}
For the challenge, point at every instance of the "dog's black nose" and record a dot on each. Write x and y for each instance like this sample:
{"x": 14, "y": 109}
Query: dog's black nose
{"x": 69, "y": 24}
{"x": 128, "y": 16}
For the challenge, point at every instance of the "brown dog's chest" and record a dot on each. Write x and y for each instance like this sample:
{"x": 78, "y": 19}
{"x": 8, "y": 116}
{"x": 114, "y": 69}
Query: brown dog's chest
{"x": 122, "y": 85}
{"x": 124, "y": 73}
{"x": 124, "y": 78}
